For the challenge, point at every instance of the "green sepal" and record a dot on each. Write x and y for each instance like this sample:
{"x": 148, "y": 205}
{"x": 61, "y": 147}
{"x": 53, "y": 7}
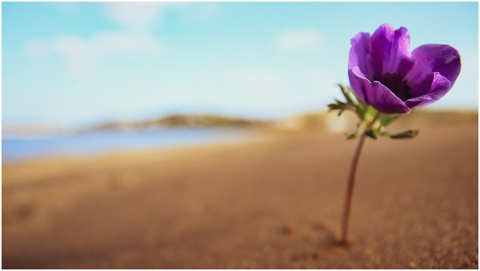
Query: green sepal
{"x": 356, "y": 105}
{"x": 372, "y": 123}
{"x": 345, "y": 93}
{"x": 406, "y": 134}
{"x": 360, "y": 130}
{"x": 359, "y": 101}
{"x": 341, "y": 106}
{"x": 370, "y": 114}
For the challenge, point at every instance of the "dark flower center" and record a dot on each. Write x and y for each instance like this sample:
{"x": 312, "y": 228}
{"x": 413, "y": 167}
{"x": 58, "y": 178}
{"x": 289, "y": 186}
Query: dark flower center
{"x": 396, "y": 84}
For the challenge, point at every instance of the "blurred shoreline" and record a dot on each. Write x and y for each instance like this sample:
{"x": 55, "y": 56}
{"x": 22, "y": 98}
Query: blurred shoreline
{"x": 35, "y": 142}
{"x": 99, "y": 143}
{"x": 314, "y": 119}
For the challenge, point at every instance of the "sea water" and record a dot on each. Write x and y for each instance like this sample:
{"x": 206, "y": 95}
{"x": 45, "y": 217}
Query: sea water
{"x": 104, "y": 142}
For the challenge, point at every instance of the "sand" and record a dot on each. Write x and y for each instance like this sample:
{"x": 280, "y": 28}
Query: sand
{"x": 275, "y": 202}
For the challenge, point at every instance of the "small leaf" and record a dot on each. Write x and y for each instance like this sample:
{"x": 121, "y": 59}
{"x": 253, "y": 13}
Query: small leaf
{"x": 352, "y": 136}
{"x": 386, "y": 119}
{"x": 341, "y": 106}
{"x": 345, "y": 93}
{"x": 333, "y": 106}
{"x": 406, "y": 134}
{"x": 371, "y": 134}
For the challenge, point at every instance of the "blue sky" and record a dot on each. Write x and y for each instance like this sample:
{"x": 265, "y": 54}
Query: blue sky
{"x": 76, "y": 63}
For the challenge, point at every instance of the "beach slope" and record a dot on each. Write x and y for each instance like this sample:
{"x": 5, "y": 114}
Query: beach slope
{"x": 270, "y": 203}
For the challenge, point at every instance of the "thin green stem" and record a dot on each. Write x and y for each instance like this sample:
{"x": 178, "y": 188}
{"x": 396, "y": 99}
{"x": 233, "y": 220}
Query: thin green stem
{"x": 351, "y": 182}
{"x": 350, "y": 186}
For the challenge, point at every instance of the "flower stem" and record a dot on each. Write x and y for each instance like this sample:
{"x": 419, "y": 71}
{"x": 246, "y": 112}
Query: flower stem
{"x": 351, "y": 184}
{"x": 351, "y": 180}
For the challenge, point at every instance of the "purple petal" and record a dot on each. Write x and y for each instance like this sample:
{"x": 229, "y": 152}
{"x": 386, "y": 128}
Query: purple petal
{"x": 376, "y": 94}
{"x": 439, "y": 86}
{"x": 357, "y": 83}
{"x": 430, "y": 58}
{"x": 359, "y": 53}
{"x": 390, "y": 51}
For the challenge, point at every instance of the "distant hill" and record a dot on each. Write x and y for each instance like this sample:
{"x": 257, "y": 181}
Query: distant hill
{"x": 312, "y": 120}
{"x": 176, "y": 121}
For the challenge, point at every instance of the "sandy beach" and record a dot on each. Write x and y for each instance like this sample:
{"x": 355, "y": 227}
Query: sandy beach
{"x": 275, "y": 202}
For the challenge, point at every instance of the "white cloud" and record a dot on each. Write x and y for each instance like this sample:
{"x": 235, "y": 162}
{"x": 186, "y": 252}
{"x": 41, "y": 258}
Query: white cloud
{"x": 126, "y": 43}
{"x": 73, "y": 47}
{"x": 137, "y": 15}
{"x": 148, "y": 15}
{"x": 136, "y": 38}
{"x": 37, "y": 49}
{"x": 77, "y": 54}
{"x": 81, "y": 54}
{"x": 207, "y": 10}
{"x": 201, "y": 11}
{"x": 68, "y": 8}
{"x": 298, "y": 40}
{"x": 79, "y": 68}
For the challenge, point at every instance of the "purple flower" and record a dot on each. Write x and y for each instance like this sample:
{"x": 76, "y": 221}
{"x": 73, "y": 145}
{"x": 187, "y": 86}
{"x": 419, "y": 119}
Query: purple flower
{"x": 384, "y": 74}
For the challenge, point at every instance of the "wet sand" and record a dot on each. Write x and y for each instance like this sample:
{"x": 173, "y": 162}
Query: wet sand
{"x": 270, "y": 203}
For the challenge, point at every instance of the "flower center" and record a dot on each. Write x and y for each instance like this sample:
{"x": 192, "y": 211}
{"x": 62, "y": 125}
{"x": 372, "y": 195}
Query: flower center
{"x": 396, "y": 84}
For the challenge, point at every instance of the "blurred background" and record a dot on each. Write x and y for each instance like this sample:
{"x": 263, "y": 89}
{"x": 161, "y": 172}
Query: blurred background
{"x": 74, "y": 71}
{"x": 196, "y": 135}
